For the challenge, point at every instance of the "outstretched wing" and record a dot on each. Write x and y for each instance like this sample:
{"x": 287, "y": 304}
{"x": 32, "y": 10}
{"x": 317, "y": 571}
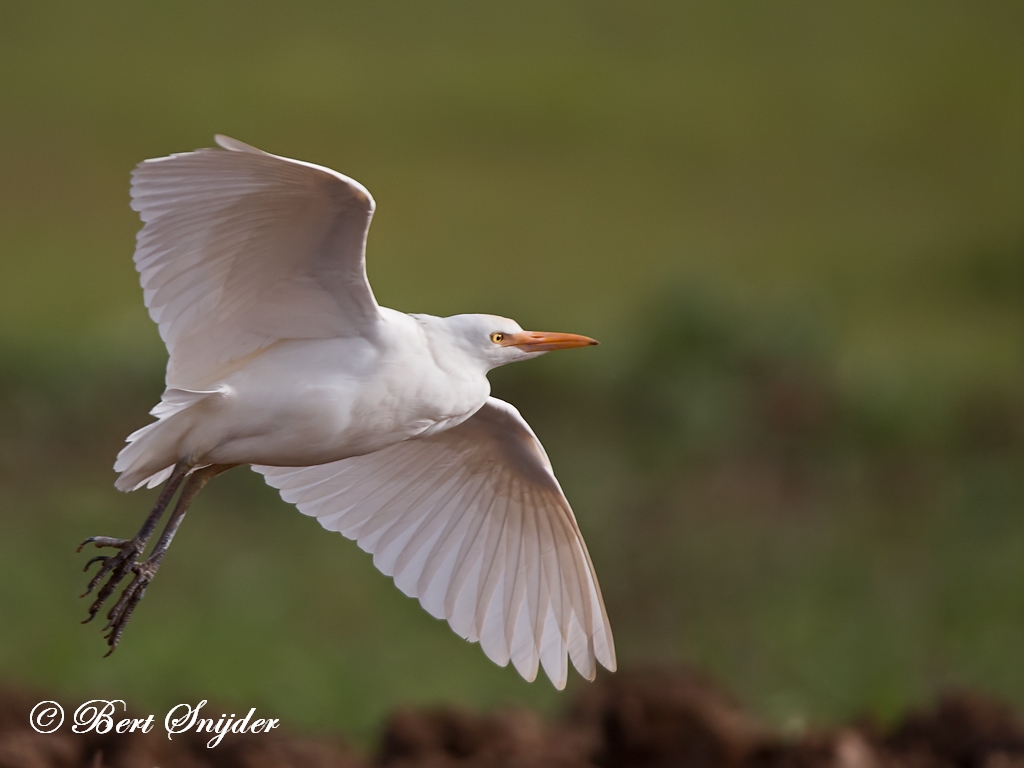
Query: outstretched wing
{"x": 241, "y": 248}
{"x": 473, "y": 523}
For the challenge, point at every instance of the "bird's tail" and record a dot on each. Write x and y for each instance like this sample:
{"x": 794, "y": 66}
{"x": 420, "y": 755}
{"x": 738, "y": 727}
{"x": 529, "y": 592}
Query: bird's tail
{"x": 152, "y": 451}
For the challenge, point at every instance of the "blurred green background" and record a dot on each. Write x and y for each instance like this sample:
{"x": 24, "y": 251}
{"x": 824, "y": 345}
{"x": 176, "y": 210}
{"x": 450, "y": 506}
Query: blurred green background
{"x": 798, "y": 228}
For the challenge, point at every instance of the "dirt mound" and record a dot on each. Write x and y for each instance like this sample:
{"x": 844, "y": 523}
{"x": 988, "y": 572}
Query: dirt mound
{"x": 653, "y": 720}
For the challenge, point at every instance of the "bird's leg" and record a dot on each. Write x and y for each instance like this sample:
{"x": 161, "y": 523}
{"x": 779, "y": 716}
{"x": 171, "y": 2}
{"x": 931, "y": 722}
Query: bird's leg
{"x": 118, "y": 565}
{"x": 144, "y": 572}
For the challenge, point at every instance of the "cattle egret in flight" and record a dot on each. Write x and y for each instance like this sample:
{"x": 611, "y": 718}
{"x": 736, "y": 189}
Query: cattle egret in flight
{"x": 378, "y": 423}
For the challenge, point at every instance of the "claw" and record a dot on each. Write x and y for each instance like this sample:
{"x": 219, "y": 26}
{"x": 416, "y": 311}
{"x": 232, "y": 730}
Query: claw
{"x": 98, "y": 557}
{"x": 103, "y": 571}
{"x": 116, "y": 565}
{"x": 93, "y": 610}
{"x": 104, "y": 541}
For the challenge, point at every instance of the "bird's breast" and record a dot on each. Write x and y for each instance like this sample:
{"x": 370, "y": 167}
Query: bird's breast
{"x": 312, "y": 402}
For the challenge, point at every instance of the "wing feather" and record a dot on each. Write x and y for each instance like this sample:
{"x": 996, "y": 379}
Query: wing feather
{"x": 467, "y": 556}
{"x": 473, "y": 523}
{"x": 240, "y": 248}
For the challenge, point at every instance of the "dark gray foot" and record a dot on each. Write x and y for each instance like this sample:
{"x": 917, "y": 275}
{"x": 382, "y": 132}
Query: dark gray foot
{"x": 119, "y": 615}
{"x": 118, "y": 566}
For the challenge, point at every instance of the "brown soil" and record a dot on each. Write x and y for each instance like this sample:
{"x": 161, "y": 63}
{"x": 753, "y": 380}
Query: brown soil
{"x": 654, "y": 719}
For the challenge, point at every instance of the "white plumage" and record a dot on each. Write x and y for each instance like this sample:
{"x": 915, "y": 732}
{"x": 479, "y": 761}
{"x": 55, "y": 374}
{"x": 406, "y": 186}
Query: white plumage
{"x": 473, "y": 523}
{"x": 241, "y": 248}
{"x": 377, "y": 423}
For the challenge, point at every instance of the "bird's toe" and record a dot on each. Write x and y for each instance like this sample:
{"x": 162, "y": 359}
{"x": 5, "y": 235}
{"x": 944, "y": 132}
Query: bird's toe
{"x": 104, "y": 541}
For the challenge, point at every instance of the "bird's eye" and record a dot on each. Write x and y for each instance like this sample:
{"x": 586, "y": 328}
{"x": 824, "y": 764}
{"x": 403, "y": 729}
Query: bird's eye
{"x": 497, "y": 337}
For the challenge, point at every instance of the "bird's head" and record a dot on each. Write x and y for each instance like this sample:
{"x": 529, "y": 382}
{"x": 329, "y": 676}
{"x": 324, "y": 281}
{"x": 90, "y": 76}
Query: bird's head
{"x": 495, "y": 341}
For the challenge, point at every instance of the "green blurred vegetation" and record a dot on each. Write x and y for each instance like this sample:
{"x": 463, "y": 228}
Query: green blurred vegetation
{"x": 798, "y": 228}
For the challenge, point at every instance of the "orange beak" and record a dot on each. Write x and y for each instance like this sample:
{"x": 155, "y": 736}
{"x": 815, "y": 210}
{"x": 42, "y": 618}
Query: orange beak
{"x": 540, "y": 341}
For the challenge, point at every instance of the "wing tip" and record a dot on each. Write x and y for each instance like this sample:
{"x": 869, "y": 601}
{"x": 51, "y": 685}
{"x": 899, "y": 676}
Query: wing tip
{"x": 234, "y": 145}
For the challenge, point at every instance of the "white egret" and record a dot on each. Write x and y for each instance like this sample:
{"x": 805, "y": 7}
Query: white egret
{"x": 378, "y": 423}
